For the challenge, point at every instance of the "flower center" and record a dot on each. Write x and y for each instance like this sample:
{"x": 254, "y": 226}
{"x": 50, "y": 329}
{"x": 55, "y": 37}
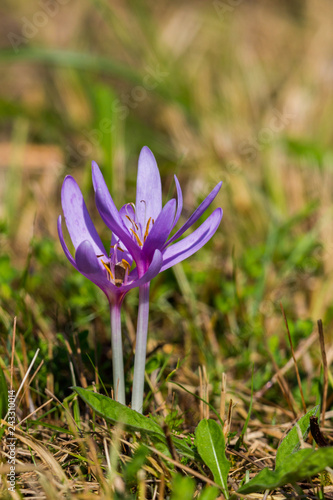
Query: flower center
{"x": 135, "y": 230}
{"x": 117, "y": 271}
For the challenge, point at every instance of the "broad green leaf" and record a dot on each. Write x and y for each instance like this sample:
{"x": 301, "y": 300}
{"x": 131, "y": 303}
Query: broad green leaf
{"x": 291, "y": 443}
{"x": 114, "y": 412}
{"x": 211, "y": 447}
{"x": 301, "y": 465}
{"x": 182, "y": 488}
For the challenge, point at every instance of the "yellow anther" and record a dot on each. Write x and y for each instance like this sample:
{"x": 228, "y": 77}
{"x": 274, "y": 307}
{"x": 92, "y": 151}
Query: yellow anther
{"x": 125, "y": 264}
{"x": 107, "y": 267}
{"x": 147, "y": 229}
{"x": 118, "y": 248}
{"x": 136, "y": 237}
{"x": 132, "y": 222}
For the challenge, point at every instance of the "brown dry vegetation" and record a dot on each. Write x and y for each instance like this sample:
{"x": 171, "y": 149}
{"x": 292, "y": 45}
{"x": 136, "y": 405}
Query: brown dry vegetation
{"x": 244, "y": 94}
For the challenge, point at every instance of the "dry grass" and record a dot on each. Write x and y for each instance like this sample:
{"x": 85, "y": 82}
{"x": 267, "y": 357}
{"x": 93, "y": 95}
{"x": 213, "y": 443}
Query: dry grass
{"x": 81, "y": 459}
{"x": 244, "y": 97}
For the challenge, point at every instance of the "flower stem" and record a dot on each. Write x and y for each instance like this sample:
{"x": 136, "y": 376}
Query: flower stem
{"x": 140, "y": 348}
{"x": 117, "y": 354}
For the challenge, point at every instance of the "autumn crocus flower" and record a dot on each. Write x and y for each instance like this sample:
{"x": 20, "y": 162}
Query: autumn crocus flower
{"x": 111, "y": 271}
{"x": 144, "y": 229}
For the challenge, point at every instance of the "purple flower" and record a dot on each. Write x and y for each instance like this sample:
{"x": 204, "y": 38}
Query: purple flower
{"x": 110, "y": 271}
{"x": 140, "y": 233}
{"x": 145, "y": 228}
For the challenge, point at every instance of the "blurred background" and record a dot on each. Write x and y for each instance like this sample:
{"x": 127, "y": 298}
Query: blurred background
{"x": 238, "y": 91}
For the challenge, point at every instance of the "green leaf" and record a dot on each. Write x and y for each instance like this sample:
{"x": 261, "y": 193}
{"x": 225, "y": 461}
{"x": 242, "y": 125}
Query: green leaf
{"x": 291, "y": 443}
{"x": 182, "y": 488}
{"x": 55, "y": 428}
{"x": 3, "y": 395}
{"x": 211, "y": 447}
{"x": 209, "y": 493}
{"x": 301, "y": 465}
{"x": 66, "y": 58}
{"x": 114, "y": 412}
{"x": 183, "y": 448}
{"x": 135, "y": 464}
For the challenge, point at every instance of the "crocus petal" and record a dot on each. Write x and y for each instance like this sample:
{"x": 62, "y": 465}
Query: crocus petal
{"x": 104, "y": 196}
{"x": 109, "y": 213}
{"x": 64, "y": 246}
{"x": 161, "y": 229}
{"x": 126, "y": 212}
{"x": 112, "y": 219}
{"x": 152, "y": 271}
{"x": 193, "y": 242}
{"x": 179, "y": 202}
{"x": 127, "y": 215}
{"x": 86, "y": 259}
{"x": 148, "y": 188}
{"x": 78, "y": 221}
{"x": 98, "y": 179}
{"x": 89, "y": 265}
{"x": 196, "y": 214}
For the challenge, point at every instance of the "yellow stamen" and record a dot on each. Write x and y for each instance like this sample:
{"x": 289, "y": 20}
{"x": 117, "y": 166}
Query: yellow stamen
{"x": 132, "y": 222}
{"x": 107, "y": 267}
{"x": 147, "y": 229}
{"x": 118, "y": 248}
{"x": 136, "y": 237}
{"x": 125, "y": 264}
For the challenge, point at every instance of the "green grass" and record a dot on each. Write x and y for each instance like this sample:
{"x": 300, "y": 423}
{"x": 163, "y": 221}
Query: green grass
{"x": 218, "y": 91}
